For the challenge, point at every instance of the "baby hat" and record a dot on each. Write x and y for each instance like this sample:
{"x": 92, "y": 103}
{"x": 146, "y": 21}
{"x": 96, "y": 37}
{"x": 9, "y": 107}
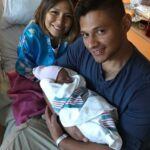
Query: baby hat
{"x": 46, "y": 72}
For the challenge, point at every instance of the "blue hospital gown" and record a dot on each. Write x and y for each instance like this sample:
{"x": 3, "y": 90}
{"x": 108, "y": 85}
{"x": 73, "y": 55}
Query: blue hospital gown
{"x": 35, "y": 49}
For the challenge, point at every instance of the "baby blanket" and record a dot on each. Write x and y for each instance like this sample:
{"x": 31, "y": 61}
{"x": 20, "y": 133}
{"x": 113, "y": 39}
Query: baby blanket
{"x": 78, "y": 106}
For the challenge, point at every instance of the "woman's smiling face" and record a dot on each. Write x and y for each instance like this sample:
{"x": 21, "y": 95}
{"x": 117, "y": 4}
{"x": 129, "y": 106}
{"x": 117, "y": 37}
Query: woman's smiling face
{"x": 58, "y": 20}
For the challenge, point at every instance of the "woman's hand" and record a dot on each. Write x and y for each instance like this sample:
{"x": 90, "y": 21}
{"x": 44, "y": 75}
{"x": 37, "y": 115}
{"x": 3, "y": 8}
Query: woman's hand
{"x": 52, "y": 124}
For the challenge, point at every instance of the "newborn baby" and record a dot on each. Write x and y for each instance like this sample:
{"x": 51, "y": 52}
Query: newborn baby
{"x": 78, "y": 106}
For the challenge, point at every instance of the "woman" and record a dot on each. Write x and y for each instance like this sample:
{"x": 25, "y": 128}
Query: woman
{"x": 45, "y": 38}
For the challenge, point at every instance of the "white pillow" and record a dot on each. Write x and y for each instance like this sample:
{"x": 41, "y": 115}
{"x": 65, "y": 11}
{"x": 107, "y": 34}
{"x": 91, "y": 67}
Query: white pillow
{"x": 19, "y": 11}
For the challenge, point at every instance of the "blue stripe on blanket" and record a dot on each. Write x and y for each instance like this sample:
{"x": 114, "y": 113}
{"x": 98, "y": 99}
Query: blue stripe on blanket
{"x": 76, "y": 100}
{"x": 107, "y": 121}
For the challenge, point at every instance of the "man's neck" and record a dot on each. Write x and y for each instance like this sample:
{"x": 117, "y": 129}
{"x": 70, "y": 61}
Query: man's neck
{"x": 112, "y": 67}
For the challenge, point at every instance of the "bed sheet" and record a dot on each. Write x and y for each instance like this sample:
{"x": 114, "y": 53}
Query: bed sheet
{"x": 8, "y": 54}
{"x": 8, "y": 43}
{"x": 9, "y": 38}
{"x": 1, "y": 7}
{"x": 29, "y": 136}
{"x": 34, "y": 132}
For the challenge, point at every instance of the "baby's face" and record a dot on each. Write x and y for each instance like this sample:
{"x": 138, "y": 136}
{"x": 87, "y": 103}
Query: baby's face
{"x": 63, "y": 77}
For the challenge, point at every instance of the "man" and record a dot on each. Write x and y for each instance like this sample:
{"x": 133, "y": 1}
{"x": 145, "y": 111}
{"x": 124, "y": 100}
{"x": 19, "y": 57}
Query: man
{"x": 114, "y": 68}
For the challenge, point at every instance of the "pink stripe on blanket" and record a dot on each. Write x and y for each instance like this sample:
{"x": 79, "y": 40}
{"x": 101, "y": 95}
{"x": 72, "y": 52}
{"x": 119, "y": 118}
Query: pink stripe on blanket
{"x": 27, "y": 97}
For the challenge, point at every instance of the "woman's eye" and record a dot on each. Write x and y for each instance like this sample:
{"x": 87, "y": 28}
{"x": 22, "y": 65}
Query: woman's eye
{"x": 54, "y": 12}
{"x": 69, "y": 16}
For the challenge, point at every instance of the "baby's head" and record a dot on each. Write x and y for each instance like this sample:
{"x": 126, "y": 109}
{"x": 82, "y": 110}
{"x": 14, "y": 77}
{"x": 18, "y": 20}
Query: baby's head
{"x": 56, "y": 73}
{"x": 63, "y": 76}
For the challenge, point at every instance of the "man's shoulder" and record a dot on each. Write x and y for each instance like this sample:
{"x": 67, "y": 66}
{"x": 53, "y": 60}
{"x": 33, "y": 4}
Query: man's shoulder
{"x": 78, "y": 42}
{"x": 80, "y": 54}
{"x": 78, "y": 48}
{"x": 138, "y": 68}
{"x": 140, "y": 61}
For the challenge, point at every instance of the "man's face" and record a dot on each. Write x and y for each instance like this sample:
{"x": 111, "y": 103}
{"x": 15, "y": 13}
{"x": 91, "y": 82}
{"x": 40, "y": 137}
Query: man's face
{"x": 102, "y": 35}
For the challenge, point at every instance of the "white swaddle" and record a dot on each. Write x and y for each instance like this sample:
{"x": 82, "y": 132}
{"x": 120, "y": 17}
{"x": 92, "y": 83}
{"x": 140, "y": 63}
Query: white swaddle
{"x": 78, "y": 106}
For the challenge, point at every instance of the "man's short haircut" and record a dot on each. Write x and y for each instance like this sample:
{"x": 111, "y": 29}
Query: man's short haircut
{"x": 114, "y": 8}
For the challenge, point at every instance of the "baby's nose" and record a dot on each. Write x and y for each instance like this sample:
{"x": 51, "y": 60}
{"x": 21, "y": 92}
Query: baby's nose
{"x": 69, "y": 80}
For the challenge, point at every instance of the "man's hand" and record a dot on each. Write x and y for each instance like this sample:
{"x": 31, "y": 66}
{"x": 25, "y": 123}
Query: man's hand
{"x": 56, "y": 130}
{"x": 75, "y": 133}
{"x": 52, "y": 124}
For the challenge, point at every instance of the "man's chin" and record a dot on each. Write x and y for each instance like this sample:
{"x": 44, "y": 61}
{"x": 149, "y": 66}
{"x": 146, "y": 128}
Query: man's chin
{"x": 99, "y": 60}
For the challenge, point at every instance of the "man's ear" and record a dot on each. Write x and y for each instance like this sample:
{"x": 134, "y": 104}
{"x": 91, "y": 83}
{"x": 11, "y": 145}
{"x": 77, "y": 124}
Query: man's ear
{"x": 126, "y": 23}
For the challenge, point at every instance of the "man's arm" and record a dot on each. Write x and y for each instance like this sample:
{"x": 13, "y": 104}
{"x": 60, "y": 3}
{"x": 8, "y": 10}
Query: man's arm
{"x": 71, "y": 144}
{"x": 68, "y": 143}
{"x": 135, "y": 121}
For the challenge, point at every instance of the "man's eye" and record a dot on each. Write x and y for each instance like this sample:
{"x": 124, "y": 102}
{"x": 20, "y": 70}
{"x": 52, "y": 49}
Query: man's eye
{"x": 100, "y": 31}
